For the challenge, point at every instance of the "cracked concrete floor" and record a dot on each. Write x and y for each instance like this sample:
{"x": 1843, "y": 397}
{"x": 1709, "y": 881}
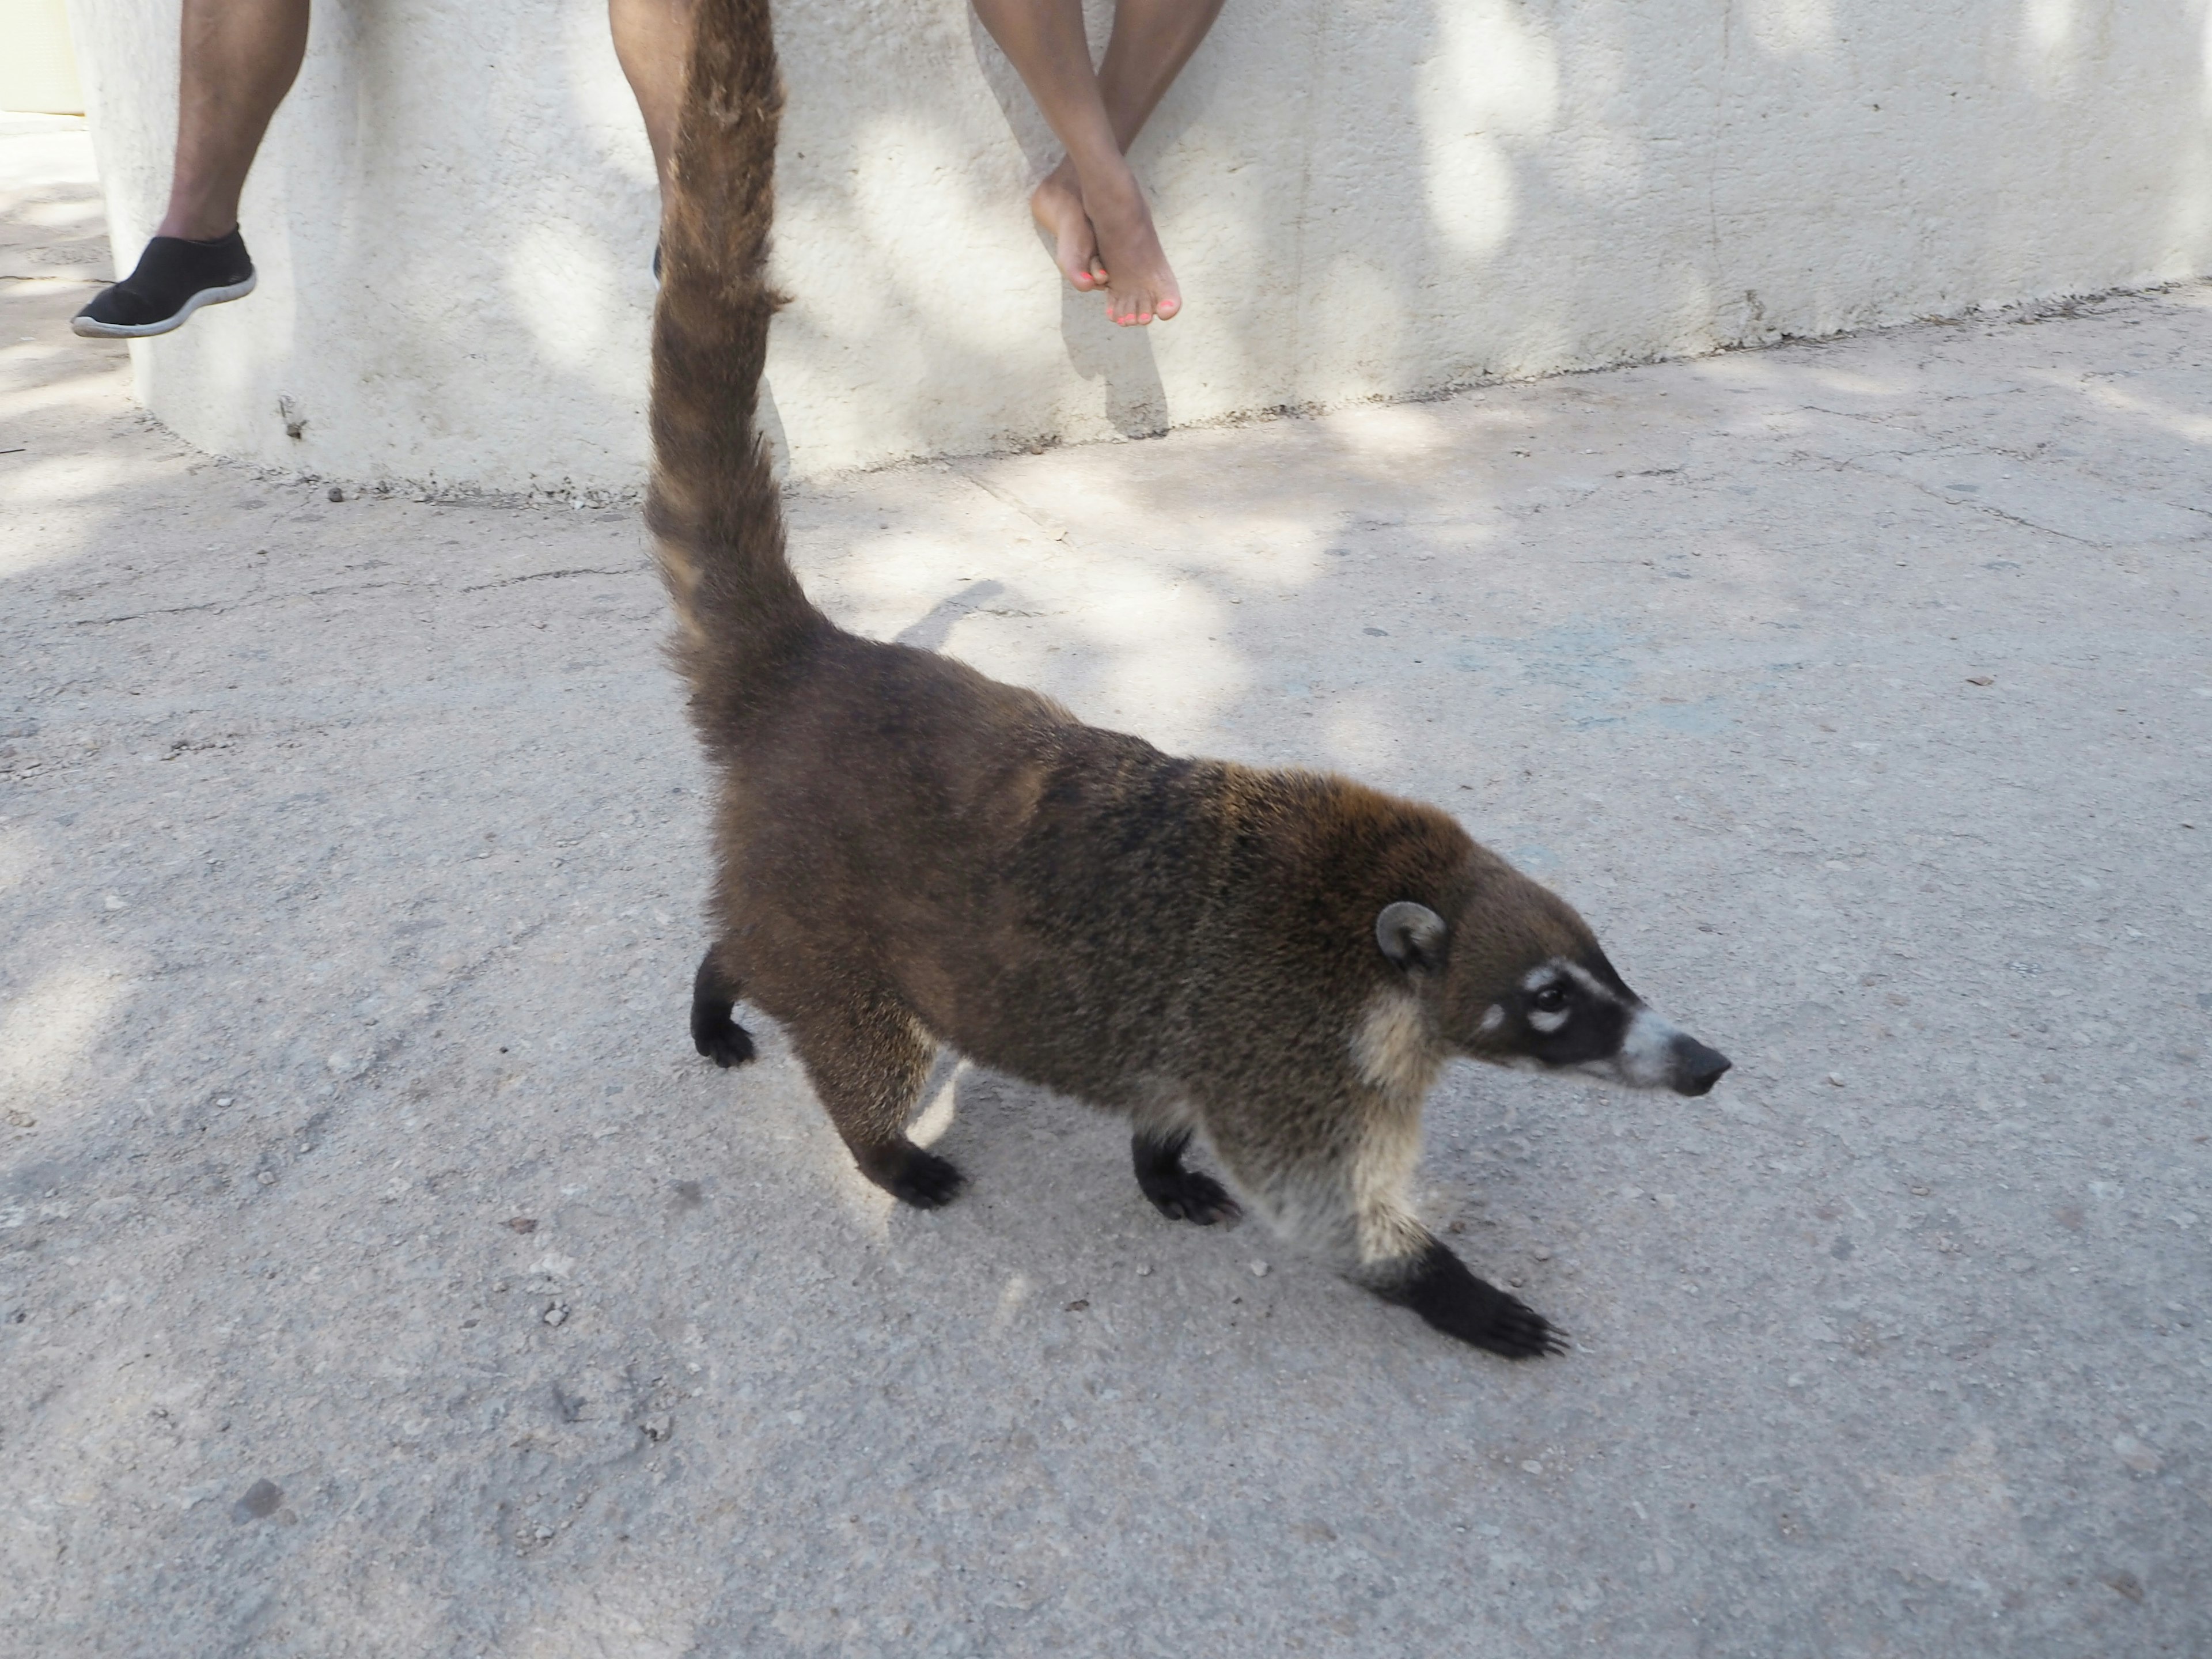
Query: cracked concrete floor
{"x": 380, "y": 1272}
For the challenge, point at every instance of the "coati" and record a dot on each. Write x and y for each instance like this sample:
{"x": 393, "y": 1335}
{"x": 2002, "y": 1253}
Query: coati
{"x": 909, "y": 853}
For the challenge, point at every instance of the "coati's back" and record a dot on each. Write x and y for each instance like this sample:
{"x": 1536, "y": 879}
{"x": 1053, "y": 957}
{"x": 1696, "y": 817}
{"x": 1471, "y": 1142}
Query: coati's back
{"x": 909, "y": 852}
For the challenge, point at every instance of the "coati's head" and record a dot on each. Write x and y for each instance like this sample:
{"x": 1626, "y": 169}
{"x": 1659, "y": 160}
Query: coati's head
{"x": 1517, "y": 979}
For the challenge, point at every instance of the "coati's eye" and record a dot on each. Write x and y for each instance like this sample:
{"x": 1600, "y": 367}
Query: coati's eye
{"x": 1550, "y": 1000}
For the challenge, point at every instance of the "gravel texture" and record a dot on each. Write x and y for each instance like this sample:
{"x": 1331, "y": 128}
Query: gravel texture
{"x": 380, "y": 1272}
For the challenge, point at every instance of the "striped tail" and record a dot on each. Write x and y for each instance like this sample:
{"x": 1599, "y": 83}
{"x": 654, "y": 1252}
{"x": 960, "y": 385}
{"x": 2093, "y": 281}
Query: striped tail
{"x": 713, "y": 505}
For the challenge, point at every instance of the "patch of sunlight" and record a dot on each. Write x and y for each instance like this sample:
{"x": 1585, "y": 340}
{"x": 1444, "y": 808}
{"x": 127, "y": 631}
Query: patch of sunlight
{"x": 1169, "y": 683}
{"x": 1793, "y": 28}
{"x": 816, "y": 245}
{"x": 917, "y": 196}
{"x": 2046, "y": 47}
{"x": 44, "y": 1032}
{"x": 61, "y": 216}
{"x": 603, "y": 97}
{"x": 603, "y": 1618}
{"x": 1493, "y": 79}
{"x": 2188, "y": 213}
{"x": 868, "y": 1205}
{"x": 936, "y": 1117}
{"x": 1858, "y": 385}
{"x": 18, "y": 852}
{"x": 1358, "y": 295}
{"x": 2204, "y": 61}
{"x": 1956, "y": 1523}
{"x": 1744, "y": 368}
{"x": 95, "y": 382}
{"x": 1017, "y": 1292}
{"x": 1363, "y": 729}
{"x": 1294, "y": 552}
{"x": 844, "y": 422}
{"x": 2182, "y": 422}
{"x": 223, "y": 365}
{"x": 1599, "y": 154}
{"x": 52, "y": 482}
{"x": 892, "y": 581}
{"x": 1389, "y": 432}
{"x": 563, "y": 287}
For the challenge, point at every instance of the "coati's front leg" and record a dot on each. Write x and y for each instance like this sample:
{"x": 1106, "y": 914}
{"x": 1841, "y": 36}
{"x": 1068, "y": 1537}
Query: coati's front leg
{"x": 867, "y": 1060}
{"x": 1348, "y": 1205}
{"x": 1437, "y": 1286}
{"x": 715, "y": 993}
{"x": 1178, "y": 1193}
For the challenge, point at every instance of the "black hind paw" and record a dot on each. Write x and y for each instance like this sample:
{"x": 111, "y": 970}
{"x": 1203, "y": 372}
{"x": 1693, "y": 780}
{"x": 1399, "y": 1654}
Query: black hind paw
{"x": 1178, "y": 1193}
{"x": 922, "y": 1179}
{"x": 723, "y": 1041}
{"x": 1438, "y": 1287}
{"x": 1187, "y": 1195}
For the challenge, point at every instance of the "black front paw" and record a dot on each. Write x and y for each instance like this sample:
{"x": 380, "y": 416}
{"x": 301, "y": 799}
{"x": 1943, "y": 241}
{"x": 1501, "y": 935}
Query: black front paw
{"x": 1439, "y": 1286}
{"x": 922, "y": 1179}
{"x": 722, "y": 1039}
{"x": 1187, "y": 1195}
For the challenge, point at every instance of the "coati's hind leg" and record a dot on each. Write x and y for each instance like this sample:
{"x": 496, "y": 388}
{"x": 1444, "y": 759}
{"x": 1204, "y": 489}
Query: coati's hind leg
{"x": 715, "y": 993}
{"x": 1178, "y": 1193}
{"x": 867, "y": 1060}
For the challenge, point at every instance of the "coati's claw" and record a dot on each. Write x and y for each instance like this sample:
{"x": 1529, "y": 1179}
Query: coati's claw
{"x": 1519, "y": 1332}
{"x": 923, "y": 1180}
{"x": 1189, "y": 1196}
{"x": 727, "y": 1042}
{"x": 1438, "y": 1287}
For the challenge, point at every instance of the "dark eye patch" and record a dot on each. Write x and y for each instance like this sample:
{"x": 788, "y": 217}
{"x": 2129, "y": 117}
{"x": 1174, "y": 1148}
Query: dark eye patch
{"x": 1595, "y": 1032}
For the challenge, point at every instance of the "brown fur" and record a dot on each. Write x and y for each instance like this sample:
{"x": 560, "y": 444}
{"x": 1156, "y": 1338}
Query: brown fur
{"x": 909, "y": 853}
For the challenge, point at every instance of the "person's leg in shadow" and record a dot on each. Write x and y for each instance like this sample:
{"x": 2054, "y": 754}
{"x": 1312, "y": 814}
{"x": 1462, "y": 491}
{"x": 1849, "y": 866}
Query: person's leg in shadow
{"x": 1090, "y": 204}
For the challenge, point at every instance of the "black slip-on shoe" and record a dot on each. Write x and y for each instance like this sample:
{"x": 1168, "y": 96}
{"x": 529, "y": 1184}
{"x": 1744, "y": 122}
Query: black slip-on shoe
{"x": 175, "y": 278}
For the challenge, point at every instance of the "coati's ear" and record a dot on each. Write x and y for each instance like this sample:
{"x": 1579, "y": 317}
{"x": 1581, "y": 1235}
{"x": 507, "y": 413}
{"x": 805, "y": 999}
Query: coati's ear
{"x": 1412, "y": 936}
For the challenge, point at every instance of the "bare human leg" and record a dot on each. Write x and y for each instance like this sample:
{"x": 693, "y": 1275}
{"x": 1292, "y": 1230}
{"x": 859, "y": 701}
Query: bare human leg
{"x": 652, "y": 38}
{"x": 1090, "y": 204}
{"x": 240, "y": 59}
{"x": 1152, "y": 41}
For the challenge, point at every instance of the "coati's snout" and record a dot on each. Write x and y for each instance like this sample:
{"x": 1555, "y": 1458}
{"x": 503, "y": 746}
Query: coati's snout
{"x": 1525, "y": 985}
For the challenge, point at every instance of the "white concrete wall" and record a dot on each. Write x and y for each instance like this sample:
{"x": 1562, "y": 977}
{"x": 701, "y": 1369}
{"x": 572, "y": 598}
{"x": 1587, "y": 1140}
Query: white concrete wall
{"x": 1363, "y": 198}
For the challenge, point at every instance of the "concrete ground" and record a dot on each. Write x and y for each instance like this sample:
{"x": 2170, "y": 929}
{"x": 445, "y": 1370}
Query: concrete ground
{"x": 381, "y": 1273}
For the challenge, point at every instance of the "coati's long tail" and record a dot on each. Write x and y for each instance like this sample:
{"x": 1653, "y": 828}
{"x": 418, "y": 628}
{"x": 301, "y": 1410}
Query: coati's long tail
{"x": 713, "y": 505}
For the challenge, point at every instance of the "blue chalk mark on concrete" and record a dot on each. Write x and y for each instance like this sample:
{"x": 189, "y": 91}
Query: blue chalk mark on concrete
{"x": 1595, "y": 669}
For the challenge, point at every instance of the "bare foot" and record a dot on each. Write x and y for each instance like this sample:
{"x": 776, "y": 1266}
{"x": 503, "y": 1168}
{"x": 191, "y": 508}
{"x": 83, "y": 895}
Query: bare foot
{"x": 1058, "y": 207}
{"x": 1140, "y": 287}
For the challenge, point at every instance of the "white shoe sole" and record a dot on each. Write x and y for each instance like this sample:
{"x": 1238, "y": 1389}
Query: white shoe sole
{"x": 93, "y": 329}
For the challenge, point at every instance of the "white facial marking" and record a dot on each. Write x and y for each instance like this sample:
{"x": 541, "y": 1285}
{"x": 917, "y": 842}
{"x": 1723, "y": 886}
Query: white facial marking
{"x": 1538, "y": 977}
{"x": 1584, "y": 978}
{"x": 1548, "y": 1020}
{"x": 1642, "y": 1062}
{"x": 1493, "y": 1017}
